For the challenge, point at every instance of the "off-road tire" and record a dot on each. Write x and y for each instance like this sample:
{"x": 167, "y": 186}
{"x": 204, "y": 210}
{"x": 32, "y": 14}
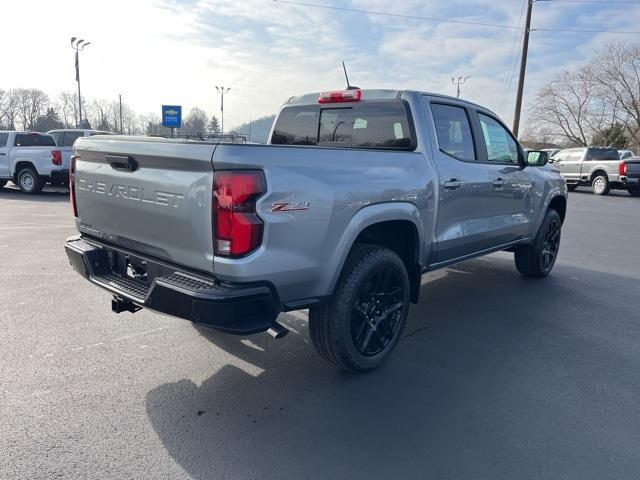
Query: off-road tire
{"x": 532, "y": 260}
{"x": 29, "y": 181}
{"x": 331, "y": 323}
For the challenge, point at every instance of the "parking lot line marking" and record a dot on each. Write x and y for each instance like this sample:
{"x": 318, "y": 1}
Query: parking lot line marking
{"x": 133, "y": 335}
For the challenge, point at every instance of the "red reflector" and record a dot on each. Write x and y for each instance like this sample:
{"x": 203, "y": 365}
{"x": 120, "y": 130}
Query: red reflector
{"x": 237, "y": 229}
{"x": 622, "y": 168}
{"x": 340, "y": 96}
{"x": 72, "y": 190}
{"x": 56, "y": 157}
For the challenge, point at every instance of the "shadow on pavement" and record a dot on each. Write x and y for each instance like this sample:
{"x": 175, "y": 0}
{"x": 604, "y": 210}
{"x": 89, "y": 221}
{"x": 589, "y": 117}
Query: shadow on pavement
{"x": 48, "y": 195}
{"x": 496, "y": 377}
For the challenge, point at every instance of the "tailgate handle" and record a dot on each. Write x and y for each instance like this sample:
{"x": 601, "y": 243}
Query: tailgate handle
{"x": 119, "y": 162}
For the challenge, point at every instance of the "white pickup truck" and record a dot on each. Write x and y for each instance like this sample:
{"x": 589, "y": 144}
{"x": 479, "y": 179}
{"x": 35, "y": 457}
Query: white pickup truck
{"x": 30, "y": 159}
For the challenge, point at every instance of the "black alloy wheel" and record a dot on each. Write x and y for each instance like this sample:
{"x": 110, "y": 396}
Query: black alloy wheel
{"x": 377, "y": 312}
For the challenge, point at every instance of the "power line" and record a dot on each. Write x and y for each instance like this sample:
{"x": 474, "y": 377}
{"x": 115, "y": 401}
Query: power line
{"x": 591, "y": 1}
{"x": 505, "y": 85}
{"x": 576, "y": 30}
{"x": 464, "y": 22}
{"x": 397, "y": 15}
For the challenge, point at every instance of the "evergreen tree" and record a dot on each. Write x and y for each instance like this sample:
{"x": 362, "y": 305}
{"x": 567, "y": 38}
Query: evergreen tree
{"x": 214, "y": 125}
{"x": 48, "y": 121}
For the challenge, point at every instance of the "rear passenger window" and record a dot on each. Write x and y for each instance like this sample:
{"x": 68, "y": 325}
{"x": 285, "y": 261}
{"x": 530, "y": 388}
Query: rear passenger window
{"x": 501, "y": 147}
{"x": 33, "y": 140}
{"x": 4, "y": 137}
{"x": 70, "y": 137}
{"x": 453, "y": 131}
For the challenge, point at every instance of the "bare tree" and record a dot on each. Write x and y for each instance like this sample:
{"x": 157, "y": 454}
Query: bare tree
{"x": 100, "y": 114}
{"x": 32, "y": 103}
{"x": 570, "y": 108}
{"x": 9, "y": 109}
{"x": 68, "y": 107}
{"x": 616, "y": 70}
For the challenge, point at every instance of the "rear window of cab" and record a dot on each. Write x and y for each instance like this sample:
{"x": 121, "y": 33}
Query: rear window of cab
{"x": 372, "y": 124}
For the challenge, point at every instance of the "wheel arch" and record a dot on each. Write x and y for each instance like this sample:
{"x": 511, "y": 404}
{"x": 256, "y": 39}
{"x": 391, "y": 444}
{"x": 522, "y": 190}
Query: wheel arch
{"x": 559, "y": 204}
{"x": 597, "y": 172}
{"x": 20, "y": 165}
{"x": 396, "y": 226}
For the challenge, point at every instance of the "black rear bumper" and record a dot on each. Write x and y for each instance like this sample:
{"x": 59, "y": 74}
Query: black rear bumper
{"x": 61, "y": 176}
{"x": 235, "y": 308}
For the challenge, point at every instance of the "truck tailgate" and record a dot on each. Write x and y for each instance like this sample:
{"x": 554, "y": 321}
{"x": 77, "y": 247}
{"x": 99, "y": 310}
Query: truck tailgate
{"x": 148, "y": 195}
{"x": 633, "y": 168}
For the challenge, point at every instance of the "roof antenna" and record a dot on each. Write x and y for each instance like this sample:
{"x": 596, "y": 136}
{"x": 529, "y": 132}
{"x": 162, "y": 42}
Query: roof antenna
{"x": 349, "y": 87}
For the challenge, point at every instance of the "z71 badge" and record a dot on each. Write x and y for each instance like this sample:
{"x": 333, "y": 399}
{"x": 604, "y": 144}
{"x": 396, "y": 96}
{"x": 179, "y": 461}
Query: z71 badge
{"x": 289, "y": 207}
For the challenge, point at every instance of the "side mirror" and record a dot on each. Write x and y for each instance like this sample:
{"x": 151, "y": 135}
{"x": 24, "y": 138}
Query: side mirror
{"x": 537, "y": 158}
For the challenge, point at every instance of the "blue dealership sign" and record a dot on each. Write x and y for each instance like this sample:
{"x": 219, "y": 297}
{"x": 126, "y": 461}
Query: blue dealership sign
{"x": 172, "y": 116}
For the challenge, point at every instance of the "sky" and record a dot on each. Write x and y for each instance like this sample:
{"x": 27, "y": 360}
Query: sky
{"x": 156, "y": 52}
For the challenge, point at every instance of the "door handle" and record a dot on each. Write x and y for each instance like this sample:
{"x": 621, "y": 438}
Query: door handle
{"x": 2, "y": 153}
{"x": 118, "y": 162}
{"x": 498, "y": 183}
{"x": 453, "y": 184}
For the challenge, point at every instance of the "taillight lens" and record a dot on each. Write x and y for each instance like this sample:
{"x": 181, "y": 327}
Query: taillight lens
{"x": 622, "y": 168}
{"x": 237, "y": 229}
{"x": 72, "y": 190}
{"x": 56, "y": 157}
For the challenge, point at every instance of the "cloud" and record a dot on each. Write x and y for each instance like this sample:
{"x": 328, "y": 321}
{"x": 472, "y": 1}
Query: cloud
{"x": 176, "y": 51}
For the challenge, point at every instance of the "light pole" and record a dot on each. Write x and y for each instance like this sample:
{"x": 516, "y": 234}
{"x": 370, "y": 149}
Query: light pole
{"x": 120, "y": 99}
{"x": 459, "y": 82}
{"x": 222, "y": 91}
{"x": 78, "y": 45}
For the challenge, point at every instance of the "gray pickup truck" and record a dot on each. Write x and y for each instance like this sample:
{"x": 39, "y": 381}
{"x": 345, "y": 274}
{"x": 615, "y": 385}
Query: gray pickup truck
{"x": 357, "y": 195}
{"x": 599, "y": 167}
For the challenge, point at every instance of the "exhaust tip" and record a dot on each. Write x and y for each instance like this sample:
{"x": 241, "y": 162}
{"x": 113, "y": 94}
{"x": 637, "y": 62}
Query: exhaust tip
{"x": 278, "y": 331}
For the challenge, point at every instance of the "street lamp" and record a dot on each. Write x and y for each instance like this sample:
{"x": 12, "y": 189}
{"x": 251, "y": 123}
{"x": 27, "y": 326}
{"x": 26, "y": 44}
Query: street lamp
{"x": 222, "y": 91}
{"x": 78, "y": 45}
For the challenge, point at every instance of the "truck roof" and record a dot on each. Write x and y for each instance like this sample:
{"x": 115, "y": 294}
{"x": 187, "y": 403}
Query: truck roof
{"x": 380, "y": 94}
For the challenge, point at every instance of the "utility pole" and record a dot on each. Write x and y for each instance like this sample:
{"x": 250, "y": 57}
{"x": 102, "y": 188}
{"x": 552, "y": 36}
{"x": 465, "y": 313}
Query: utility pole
{"x": 459, "y": 82}
{"x": 222, "y": 91}
{"x": 523, "y": 68}
{"x": 120, "y": 99}
{"x": 78, "y": 45}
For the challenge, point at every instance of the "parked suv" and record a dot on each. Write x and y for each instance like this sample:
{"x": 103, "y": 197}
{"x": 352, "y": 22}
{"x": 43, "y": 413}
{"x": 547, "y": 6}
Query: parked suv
{"x": 357, "y": 195}
{"x": 598, "y": 167}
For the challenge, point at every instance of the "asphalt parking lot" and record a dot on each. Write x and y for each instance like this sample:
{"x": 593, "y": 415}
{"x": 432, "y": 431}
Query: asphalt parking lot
{"x": 496, "y": 377}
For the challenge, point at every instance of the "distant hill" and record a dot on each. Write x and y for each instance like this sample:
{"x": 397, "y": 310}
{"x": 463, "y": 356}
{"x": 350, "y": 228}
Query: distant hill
{"x": 258, "y": 130}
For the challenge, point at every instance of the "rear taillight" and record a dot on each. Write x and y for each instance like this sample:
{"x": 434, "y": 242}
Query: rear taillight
{"x": 340, "y": 96}
{"x": 72, "y": 190}
{"x": 237, "y": 229}
{"x": 622, "y": 168}
{"x": 56, "y": 157}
